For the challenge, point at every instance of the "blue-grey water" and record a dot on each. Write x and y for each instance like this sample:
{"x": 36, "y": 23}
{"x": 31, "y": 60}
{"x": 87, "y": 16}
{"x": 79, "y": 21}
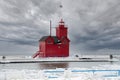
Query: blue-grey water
{"x": 53, "y": 65}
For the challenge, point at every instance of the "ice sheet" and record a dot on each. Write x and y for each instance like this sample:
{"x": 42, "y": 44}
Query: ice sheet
{"x": 101, "y": 72}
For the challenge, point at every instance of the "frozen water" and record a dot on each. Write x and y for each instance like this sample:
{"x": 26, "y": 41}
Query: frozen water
{"x": 66, "y": 72}
{"x": 101, "y": 72}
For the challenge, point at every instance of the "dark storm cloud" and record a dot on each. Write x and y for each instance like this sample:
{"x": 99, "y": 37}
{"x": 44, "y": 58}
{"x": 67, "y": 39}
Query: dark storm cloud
{"x": 93, "y": 25}
{"x": 98, "y": 27}
{"x": 22, "y": 23}
{"x": 108, "y": 38}
{"x": 25, "y": 18}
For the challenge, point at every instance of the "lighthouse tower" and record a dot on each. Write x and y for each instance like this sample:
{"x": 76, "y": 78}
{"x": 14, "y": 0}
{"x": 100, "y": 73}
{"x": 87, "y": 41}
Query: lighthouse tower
{"x": 54, "y": 46}
{"x": 61, "y": 30}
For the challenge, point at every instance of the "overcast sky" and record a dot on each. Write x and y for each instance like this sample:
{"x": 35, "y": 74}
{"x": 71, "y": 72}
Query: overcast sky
{"x": 94, "y": 25}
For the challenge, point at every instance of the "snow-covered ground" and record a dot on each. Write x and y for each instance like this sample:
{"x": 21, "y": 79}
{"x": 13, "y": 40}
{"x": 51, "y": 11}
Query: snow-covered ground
{"x": 101, "y": 72}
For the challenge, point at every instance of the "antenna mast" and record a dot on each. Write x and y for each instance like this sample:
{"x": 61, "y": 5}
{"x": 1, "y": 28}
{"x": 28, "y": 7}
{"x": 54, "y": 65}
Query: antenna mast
{"x": 50, "y": 27}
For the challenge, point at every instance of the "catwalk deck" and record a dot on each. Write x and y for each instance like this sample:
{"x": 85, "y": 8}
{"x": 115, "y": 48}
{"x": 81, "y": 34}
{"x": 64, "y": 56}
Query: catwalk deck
{"x": 31, "y": 60}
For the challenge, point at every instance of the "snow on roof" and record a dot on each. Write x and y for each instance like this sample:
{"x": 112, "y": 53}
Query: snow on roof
{"x": 55, "y": 38}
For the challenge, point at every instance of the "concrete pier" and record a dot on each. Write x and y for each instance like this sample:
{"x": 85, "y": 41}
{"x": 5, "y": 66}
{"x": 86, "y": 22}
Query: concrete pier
{"x": 55, "y": 59}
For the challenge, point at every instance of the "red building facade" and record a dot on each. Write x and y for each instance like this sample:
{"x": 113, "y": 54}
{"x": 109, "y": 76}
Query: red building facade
{"x": 54, "y": 46}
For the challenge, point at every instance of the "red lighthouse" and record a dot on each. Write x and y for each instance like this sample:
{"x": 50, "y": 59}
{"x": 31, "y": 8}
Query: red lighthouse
{"x": 54, "y": 46}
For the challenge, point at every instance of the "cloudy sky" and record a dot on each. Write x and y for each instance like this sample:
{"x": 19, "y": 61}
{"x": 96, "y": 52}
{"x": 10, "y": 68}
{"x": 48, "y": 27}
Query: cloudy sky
{"x": 94, "y": 25}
